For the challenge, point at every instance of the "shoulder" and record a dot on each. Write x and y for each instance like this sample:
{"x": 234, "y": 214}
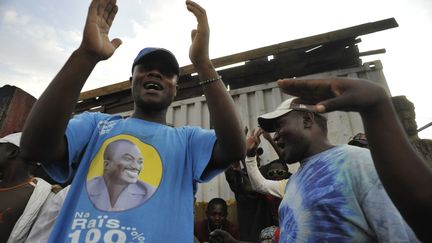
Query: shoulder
{"x": 195, "y": 129}
{"x": 95, "y": 185}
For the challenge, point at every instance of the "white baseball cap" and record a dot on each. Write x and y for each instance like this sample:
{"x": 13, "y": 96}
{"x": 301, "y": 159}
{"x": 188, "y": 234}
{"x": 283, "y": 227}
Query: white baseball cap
{"x": 266, "y": 120}
{"x": 13, "y": 138}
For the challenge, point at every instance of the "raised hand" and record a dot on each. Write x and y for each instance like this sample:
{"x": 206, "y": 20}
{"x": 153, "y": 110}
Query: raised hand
{"x": 199, "y": 49}
{"x": 335, "y": 93}
{"x": 252, "y": 142}
{"x": 95, "y": 41}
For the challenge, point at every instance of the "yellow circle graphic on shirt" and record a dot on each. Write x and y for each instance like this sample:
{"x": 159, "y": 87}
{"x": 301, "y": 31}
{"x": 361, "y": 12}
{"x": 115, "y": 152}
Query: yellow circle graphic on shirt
{"x": 151, "y": 171}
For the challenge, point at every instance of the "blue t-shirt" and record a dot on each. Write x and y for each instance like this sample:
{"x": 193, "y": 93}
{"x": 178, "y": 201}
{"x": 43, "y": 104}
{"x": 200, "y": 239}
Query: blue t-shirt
{"x": 168, "y": 159}
{"x": 336, "y": 196}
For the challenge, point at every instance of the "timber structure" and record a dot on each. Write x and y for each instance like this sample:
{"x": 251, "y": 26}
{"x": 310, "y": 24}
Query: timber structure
{"x": 315, "y": 54}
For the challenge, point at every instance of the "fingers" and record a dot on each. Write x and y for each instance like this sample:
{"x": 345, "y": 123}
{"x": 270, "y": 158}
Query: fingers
{"x": 311, "y": 91}
{"x": 110, "y": 18}
{"x": 116, "y": 42}
{"x": 93, "y": 8}
{"x": 198, "y": 11}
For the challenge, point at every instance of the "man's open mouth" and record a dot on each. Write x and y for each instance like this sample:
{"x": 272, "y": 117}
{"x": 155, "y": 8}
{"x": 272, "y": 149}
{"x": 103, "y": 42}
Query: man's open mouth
{"x": 131, "y": 172}
{"x": 153, "y": 85}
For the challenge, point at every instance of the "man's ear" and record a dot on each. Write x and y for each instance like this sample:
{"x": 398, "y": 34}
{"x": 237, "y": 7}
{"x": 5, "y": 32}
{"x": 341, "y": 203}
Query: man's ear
{"x": 308, "y": 120}
{"x": 176, "y": 86}
{"x": 107, "y": 164}
{"x": 130, "y": 80}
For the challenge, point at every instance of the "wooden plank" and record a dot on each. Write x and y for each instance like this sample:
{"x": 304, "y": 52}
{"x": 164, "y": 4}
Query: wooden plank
{"x": 316, "y": 40}
{"x": 372, "y": 52}
{"x": 351, "y": 32}
{"x": 109, "y": 89}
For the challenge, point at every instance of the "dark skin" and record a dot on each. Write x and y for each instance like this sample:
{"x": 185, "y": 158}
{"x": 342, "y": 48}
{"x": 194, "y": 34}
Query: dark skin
{"x": 53, "y": 109}
{"x": 13, "y": 200}
{"x": 216, "y": 215}
{"x": 405, "y": 176}
{"x": 299, "y": 136}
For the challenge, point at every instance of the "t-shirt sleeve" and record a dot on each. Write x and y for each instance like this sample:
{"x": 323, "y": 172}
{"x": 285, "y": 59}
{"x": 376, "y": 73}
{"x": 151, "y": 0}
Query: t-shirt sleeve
{"x": 200, "y": 148}
{"x": 78, "y": 133}
{"x": 384, "y": 218}
{"x": 381, "y": 214}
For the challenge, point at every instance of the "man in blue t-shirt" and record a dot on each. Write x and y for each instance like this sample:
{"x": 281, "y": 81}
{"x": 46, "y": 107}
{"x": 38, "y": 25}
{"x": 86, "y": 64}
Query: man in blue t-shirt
{"x": 175, "y": 158}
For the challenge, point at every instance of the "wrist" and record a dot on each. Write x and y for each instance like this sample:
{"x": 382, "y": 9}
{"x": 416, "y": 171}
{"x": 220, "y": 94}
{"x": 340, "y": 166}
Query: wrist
{"x": 86, "y": 55}
{"x": 251, "y": 153}
{"x": 203, "y": 66}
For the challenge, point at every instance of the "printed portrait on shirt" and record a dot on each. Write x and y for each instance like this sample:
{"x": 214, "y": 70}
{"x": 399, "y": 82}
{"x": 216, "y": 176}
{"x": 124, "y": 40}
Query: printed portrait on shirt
{"x": 124, "y": 174}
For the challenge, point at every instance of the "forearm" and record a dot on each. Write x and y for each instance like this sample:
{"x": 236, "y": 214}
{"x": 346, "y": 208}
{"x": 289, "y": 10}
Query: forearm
{"x": 405, "y": 176}
{"x": 259, "y": 183}
{"x": 46, "y": 124}
{"x": 225, "y": 118}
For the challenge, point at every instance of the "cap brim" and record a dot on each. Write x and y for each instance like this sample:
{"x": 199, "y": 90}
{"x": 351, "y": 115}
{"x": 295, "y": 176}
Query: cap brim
{"x": 266, "y": 121}
{"x": 165, "y": 55}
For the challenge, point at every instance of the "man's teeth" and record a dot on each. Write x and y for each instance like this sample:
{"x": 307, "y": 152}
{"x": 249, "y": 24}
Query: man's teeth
{"x": 131, "y": 173}
{"x": 152, "y": 86}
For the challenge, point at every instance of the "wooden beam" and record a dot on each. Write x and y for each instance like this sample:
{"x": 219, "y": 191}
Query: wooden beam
{"x": 351, "y": 32}
{"x": 347, "y": 33}
{"x": 372, "y": 52}
{"x": 105, "y": 90}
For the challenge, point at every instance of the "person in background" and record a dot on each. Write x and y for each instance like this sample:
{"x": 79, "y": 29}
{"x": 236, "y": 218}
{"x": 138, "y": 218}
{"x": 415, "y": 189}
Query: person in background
{"x": 216, "y": 213}
{"x": 253, "y": 211}
{"x": 269, "y": 185}
{"x": 44, "y": 223}
{"x": 22, "y": 196}
{"x": 359, "y": 140}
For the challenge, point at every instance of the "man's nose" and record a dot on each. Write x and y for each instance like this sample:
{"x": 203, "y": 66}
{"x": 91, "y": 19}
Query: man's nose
{"x": 154, "y": 73}
{"x": 137, "y": 164}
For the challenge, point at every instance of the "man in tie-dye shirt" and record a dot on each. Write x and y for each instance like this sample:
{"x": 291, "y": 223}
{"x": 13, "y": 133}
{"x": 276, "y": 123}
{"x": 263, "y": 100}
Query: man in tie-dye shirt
{"x": 336, "y": 195}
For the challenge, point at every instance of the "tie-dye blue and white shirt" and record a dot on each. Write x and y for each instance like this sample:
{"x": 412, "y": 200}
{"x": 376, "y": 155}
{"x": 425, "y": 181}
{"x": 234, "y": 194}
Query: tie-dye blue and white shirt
{"x": 336, "y": 196}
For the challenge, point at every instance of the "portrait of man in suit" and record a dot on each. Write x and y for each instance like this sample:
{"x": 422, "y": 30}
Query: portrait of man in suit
{"x": 119, "y": 188}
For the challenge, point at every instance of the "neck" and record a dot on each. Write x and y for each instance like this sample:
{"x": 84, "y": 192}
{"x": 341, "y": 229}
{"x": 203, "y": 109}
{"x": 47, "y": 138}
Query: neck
{"x": 318, "y": 146}
{"x": 15, "y": 174}
{"x": 158, "y": 116}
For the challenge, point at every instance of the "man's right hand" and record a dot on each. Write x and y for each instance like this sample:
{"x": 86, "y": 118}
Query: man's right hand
{"x": 96, "y": 43}
{"x": 332, "y": 94}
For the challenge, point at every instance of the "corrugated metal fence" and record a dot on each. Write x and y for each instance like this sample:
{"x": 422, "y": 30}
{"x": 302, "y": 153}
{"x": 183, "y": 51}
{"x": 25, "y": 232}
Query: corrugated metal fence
{"x": 256, "y": 100}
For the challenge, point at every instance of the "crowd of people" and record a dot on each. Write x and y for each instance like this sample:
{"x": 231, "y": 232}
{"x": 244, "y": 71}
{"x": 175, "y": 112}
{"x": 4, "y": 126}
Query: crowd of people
{"x": 132, "y": 178}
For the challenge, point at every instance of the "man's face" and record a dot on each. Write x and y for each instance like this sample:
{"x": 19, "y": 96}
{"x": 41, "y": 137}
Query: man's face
{"x": 153, "y": 84}
{"x": 125, "y": 165}
{"x": 216, "y": 215}
{"x": 290, "y": 136}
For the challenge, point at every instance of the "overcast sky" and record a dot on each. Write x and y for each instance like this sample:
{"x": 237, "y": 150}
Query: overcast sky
{"x": 37, "y": 37}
